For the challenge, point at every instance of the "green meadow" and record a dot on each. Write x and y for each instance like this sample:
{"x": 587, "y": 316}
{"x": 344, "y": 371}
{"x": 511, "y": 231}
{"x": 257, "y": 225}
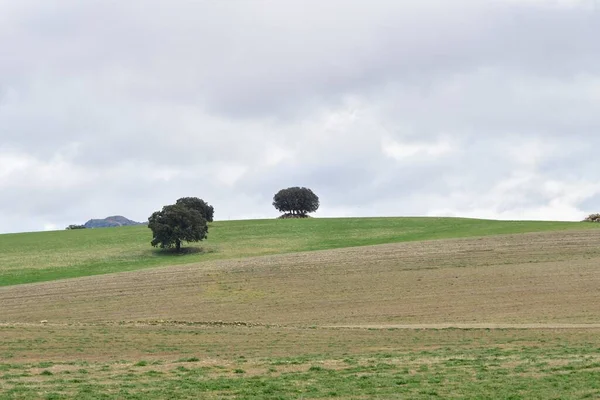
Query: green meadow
{"x": 423, "y": 364}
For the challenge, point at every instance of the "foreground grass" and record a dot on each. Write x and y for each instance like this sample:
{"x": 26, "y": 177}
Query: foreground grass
{"x": 483, "y": 373}
{"x": 425, "y": 364}
{"x": 44, "y": 256}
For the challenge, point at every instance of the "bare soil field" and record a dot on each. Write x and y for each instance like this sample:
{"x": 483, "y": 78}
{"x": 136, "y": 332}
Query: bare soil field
{"x": 550, "y": 278}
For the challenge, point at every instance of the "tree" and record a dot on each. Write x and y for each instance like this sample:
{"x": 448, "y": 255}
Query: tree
{"x": 199, "y": 205}
{"x": 175, "y": 224}
{"x": 296, "y": 201}
{"x": 592, "y": 218}
{"x": 70, "y": 227}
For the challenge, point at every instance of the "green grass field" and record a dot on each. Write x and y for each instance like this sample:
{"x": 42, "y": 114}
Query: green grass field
{"x": 387, "y": 364}
{"x": 46, "y": 256}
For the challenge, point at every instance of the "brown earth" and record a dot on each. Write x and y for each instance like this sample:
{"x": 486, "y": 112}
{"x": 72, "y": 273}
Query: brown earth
{"x": 541, "y": 278}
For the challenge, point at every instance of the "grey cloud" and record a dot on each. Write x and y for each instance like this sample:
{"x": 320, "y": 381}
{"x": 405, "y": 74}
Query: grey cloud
{"x": 590, "y": 204}
{"x": 391, "y": 108}
{"x": 261, "y": 56}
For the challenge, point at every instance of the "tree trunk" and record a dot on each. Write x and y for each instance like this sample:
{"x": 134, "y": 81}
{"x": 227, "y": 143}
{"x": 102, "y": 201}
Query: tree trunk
{"x": 178, "y": 244}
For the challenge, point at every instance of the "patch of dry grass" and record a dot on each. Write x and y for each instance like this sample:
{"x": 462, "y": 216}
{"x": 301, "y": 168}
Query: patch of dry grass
{"x": 102, "y": 343}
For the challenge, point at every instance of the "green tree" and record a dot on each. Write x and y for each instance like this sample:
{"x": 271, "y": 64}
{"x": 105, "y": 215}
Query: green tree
{"x": 592, "y": 218}
{"x": 70, "y": 227}
{"x": 175, "y": 224}
{"x": 199, "y": 205}
{"x": 296, "y": 201}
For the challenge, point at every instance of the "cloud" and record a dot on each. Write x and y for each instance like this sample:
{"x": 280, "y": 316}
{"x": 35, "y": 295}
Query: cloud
{"x": 470, "y": 108}
{"x": 399, "y": 151}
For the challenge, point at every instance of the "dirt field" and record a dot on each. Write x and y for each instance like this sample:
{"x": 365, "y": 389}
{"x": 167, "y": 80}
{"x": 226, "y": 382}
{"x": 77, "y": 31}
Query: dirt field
{"x": 550, "y": 278}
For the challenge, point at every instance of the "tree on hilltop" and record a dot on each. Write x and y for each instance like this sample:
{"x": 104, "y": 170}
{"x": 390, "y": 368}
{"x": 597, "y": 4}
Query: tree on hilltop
{"x": 74, "y": 226}
{"x": 296, "y": 202}
{"x": 199, "y": 205}
{"x": 175, "y": 224}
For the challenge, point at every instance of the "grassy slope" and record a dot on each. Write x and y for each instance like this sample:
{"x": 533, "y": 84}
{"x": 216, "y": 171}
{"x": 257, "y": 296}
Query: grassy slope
{"x": 44, "y": 256}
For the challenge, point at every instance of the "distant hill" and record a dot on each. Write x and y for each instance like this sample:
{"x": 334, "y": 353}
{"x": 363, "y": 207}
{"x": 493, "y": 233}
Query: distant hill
{"x": 109, "y": 222}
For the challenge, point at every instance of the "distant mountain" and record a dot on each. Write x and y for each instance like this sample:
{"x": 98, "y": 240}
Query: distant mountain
{"x": 109, "y": 222}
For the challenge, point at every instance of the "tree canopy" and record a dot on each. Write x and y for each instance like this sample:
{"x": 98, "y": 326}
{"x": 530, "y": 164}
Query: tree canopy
{"x": 592, "y": 218}
{"x": 199, "y": 205}
{"x": 296, "y": 201}
{"x": 74, "y": 226}
{"x": 175, "y": 224}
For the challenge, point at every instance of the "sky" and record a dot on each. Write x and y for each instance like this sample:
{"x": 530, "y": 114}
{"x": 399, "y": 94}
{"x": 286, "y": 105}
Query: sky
{"x": 486, "y": 109}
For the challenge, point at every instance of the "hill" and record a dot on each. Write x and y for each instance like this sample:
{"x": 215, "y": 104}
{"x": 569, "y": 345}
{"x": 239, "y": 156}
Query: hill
{"x": 547, "y": 277}
{"x": 510, "y": 316}
{"x": 110, "y": 222}
{"x": 44, "y": 256}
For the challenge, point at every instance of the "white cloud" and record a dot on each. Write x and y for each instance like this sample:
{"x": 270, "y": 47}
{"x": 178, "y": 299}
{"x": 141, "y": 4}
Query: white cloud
{"x": 510, "y": 200}
{"x": 18, "y": 170}
{"x": 401, "y": 151}
{"x": 51, "y": 227}
{"x": 230, "y": 174}
{"x": 276, "y": 154}
{"x": 13, "y": 163}
{"x": 589, "y": 4}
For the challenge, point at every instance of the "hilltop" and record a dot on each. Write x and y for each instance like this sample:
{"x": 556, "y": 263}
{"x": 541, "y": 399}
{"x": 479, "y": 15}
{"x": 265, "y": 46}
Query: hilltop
{"x": 111, "y": 222}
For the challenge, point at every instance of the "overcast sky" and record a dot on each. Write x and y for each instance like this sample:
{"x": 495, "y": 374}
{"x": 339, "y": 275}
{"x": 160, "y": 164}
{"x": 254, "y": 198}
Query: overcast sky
{"x": 384, "y": 108}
